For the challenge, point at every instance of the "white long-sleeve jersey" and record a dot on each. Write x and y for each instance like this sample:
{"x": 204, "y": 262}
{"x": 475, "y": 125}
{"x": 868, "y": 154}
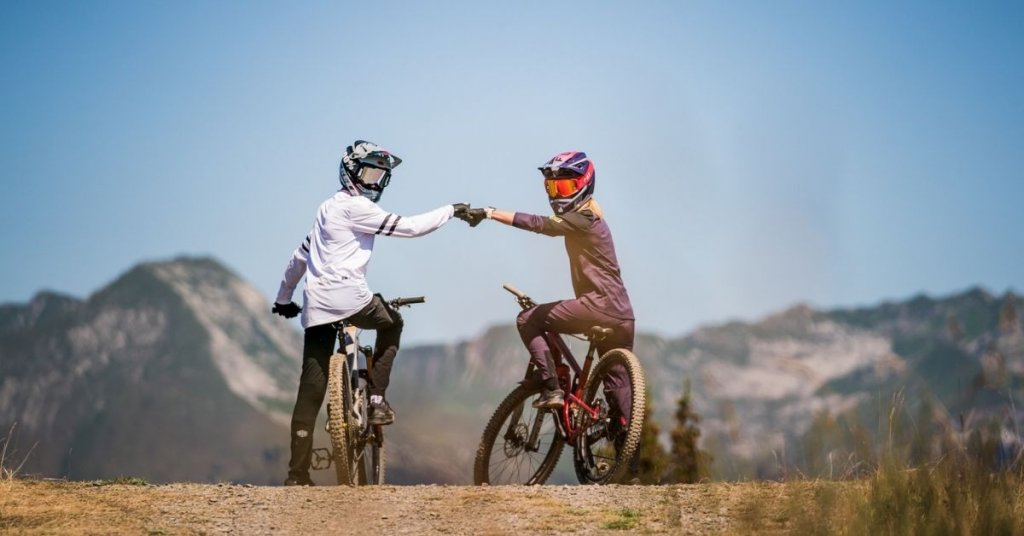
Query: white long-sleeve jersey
{"x": 336, "y": 252}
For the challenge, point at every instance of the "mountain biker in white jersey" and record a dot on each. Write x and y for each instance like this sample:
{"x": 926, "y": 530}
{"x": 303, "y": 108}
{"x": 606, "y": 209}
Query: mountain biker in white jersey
{"x": 334, "y": 259}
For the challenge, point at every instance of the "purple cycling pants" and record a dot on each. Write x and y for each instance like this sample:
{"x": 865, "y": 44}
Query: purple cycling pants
{"x": 571, "y": 316}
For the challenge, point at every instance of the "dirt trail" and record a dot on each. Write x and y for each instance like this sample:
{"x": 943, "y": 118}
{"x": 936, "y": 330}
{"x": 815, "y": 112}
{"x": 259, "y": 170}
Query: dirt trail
{"x": 87, "y": 508}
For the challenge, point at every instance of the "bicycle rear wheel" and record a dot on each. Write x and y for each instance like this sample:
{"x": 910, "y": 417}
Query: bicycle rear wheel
{"x": 607, "y": 445}
{"x": 520, "y": 444}
{"x": 339, "y": 412}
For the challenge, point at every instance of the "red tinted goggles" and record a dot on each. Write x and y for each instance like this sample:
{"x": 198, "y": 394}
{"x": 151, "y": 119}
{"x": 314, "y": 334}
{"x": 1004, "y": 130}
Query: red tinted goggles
{"x": 563, "y": 187}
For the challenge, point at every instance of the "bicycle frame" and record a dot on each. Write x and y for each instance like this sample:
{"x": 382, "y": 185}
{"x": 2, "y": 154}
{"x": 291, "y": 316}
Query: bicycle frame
{"x": 572, "y": 385}
{"x": 348, "y": 338}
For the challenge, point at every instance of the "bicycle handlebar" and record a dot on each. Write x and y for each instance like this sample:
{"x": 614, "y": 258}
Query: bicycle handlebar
{"x": 516, "y": 292}
{"x": 524, "y": 301}
{"x": 402, "y": 302}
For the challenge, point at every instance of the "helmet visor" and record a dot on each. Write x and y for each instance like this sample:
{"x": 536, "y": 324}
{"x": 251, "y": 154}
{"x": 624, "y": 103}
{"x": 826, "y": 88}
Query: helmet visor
{"x": 560, "y": 188}
{"x": 558, "y": 173}
{"x": 371, "y": 176}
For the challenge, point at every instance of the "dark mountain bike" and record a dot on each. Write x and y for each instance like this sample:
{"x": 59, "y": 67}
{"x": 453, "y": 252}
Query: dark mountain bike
{"x": 357, "y": 446}
{"x": 521, "y": 445}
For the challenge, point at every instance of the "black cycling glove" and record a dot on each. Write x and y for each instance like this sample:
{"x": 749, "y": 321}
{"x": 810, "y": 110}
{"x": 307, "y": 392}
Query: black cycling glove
{"x": 287, "y": 310}
{"x": 475, "y": 216}
{"x": 471, "y": 216}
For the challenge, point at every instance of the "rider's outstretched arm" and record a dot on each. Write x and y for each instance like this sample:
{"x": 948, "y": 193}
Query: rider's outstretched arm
{"x": 501, "y": 216}
{"x": 551, "y": 225}
{"x": 367, "y": 217}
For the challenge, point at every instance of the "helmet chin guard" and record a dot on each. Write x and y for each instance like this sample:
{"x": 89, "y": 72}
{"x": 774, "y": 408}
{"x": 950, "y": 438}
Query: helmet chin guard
{"x": 366, "y": 169}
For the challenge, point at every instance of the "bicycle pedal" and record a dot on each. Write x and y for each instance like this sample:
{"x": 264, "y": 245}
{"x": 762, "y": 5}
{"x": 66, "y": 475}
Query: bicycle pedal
{"x": 321, "y": 459}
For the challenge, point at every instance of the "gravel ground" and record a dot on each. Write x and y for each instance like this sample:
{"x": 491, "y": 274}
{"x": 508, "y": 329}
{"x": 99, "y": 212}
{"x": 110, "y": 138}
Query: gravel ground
{"x": 49, "y": 507}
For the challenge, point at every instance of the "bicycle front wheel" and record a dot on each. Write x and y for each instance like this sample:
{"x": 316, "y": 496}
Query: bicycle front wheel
{"x": 607, "y": 445}
{"x": 520, "y": 444}
{"x": 339, "y": 416}
{"x": 367, "y": 441}
{"x": 371, "y": 471}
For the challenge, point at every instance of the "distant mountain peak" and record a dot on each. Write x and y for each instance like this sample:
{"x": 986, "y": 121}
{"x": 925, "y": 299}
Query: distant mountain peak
{"x": 797, "y": 311}
{"x": 182, "y": 347}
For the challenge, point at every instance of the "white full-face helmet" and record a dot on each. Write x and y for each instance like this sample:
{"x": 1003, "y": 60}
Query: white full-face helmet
{"x": 366, "y": 169}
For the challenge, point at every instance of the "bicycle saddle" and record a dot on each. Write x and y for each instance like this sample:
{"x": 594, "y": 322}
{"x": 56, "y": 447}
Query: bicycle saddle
{"x": 597, "y": 333}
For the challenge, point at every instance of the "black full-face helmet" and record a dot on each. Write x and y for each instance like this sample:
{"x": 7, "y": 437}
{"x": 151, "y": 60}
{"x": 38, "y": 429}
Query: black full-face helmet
{"x": 366, "y": 169}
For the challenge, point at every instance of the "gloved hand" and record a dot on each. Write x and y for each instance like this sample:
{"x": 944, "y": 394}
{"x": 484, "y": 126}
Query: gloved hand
{"x": 460, "y": 209}
{"x": 287, "y": 310}
{"x": 475, "y": 216}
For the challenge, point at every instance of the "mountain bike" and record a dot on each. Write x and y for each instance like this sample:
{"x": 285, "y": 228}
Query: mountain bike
{"x": 357, "y": 446}
{"x": 521, "y": 445}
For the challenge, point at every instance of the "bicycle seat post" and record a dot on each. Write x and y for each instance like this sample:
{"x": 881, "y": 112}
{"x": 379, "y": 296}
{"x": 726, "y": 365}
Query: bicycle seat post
{"x": 340, "y": 327}
{"x": 595, "y": 335}
{"x": 347, "y": 337}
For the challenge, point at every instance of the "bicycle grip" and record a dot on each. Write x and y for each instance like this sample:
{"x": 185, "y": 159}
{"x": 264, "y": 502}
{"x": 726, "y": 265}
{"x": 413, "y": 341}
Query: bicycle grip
{"x": 398, "y": 302}
{"x": 516, "y": 292}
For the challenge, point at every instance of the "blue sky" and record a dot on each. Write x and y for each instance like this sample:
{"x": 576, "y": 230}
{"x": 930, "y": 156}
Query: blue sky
{"x": 749, "y": 155}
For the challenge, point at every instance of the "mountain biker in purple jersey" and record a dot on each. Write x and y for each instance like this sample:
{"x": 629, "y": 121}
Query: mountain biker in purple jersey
{"x": 334, "y": 259}
{"x": 601, "y": 297}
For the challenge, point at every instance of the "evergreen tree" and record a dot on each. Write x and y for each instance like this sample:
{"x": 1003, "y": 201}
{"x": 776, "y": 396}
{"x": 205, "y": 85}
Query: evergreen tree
{"x": 1008, "y": 319}
{"x": 689, "y": 463}
{"x": 954, "y": 329}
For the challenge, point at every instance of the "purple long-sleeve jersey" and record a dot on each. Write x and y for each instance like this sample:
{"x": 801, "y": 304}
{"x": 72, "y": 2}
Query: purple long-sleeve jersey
{"x": 596, "y": 278}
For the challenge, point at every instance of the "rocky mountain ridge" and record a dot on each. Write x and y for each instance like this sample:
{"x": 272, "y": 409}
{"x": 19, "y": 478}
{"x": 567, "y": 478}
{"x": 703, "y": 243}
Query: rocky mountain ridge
{"x": 176, "y": 371}
{"x": 164, "y": 374}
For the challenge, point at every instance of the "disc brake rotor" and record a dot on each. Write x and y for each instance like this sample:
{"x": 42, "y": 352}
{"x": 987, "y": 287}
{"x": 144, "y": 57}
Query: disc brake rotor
{"x": 516, "y": 441}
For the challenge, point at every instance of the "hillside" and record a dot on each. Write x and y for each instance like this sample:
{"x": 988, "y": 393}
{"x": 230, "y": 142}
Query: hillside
{"x": 761, "y": 386}
{"x": 176, "y": 371}
{"x": 168, "y": 373}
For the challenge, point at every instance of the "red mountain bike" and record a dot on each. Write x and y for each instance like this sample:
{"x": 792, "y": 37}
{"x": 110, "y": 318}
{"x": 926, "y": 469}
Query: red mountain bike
{"x": 521, "y": 445}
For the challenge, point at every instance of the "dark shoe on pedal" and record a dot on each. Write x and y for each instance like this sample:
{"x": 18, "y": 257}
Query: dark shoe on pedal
{"x": 300, "y": 481}
{"x": 553, "y": 399}
{"x": 381, "y": 413}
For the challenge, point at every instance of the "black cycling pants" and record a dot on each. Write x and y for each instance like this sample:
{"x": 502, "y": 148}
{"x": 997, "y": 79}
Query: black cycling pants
{"x": 316, "y": 356}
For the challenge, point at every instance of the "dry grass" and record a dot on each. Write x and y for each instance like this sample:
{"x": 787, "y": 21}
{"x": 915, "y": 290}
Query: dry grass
{"x": 38, "y": 507}
{"x": 928, "y": 479}
{"x": 940, "y": 499}
{"x": 9, "y": 469}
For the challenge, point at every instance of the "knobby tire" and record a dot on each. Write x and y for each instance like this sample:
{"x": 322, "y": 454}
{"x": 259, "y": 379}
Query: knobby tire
{"x": 520, "y": 397}
{"x": 638, "y": 390}
{"x": 339, "y": 399}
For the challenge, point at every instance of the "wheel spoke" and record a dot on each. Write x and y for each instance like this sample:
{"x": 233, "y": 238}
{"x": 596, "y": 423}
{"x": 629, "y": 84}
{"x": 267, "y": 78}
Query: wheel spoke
{"x": 520, "y": 444}
{"x": 523, "y": 464}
